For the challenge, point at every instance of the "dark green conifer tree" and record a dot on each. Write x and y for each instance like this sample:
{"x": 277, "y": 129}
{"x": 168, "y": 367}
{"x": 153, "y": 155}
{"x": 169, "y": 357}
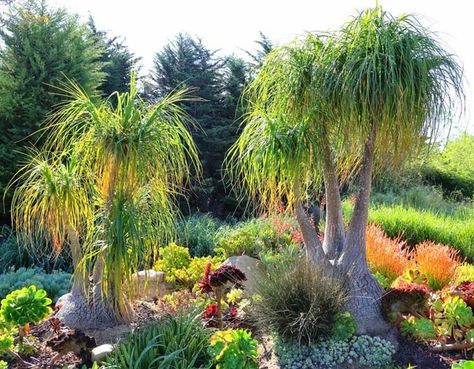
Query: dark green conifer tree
{"x": 41, "y": 48}
{"x": 187, "y": 63}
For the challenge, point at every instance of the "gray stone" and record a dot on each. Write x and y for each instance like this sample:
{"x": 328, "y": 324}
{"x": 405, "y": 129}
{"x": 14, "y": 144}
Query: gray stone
{"x": 99, "y": 353}
{"x": 253, "y": 270}
{"x": 149, "y": 284}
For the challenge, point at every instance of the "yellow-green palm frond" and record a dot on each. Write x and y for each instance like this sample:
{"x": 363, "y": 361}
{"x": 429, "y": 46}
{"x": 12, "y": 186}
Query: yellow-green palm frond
{"x": 51, "y": 196}
{"x": 286, "y": 128}
{"x": 393, "y": 73}
{"x": 134, "y": 228}
{"x": 132, "y": 143}
{"x": 323, "y": 93}
{"x": 270, "y": 158}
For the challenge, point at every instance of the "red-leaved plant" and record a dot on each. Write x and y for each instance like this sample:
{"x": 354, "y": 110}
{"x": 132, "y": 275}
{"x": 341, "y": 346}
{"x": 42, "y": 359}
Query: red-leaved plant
{"x": 215, "y": 282}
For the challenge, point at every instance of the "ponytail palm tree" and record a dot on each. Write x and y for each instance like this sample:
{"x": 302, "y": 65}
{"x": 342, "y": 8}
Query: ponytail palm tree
{"x": 52, "y": 204}
{"x": 137, "y": 158}
{"x": 333, "y": 106}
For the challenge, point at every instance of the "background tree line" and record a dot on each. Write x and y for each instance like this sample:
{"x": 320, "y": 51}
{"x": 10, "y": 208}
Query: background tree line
{"x": 41, "y": 48}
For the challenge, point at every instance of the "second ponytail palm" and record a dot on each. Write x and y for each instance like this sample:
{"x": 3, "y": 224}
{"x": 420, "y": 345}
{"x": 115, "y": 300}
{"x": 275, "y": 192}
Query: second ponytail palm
{"x": 335, "y": 105}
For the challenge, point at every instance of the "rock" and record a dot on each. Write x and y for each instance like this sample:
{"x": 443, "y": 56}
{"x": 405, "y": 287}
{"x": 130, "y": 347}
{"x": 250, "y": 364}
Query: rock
{"x": 100, "y": 352}
{"x": 149, "y": 284}
{"x": 62, "y": 300}
{"x": 252, "y": 269}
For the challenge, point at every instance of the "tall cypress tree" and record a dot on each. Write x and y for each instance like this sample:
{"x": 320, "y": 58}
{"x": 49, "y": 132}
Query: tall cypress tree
{"x": 264, "y": 46}
{"x": 42, "y": 48}
{"x": 216, "y": 85}
{"x": 187, "y": 63}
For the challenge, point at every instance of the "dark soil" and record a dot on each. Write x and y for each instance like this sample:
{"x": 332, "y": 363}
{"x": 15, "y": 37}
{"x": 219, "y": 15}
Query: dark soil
{"x": 410, "y": 352}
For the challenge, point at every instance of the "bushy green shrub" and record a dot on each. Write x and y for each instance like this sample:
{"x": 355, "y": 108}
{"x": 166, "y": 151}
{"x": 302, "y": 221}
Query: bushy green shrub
{"x": 178, "y": 342}
{"x": 299, "y": 302}
{"x": 358, "y": 351}
{"x": 279, "y": 258}
{"x": 55, "y": 284}
{"x": 24, "y": 306}
{"x": 231, "y": 349}
{"x": 421, "y": 197}
{"x": 450, "y": 169}
{"x": 249, "y": 238}
{"x": 255, "y": 236}
{"x": 199, "y": 234}
{"x": 182, "y": 269}
{"x": 453, "y": 167}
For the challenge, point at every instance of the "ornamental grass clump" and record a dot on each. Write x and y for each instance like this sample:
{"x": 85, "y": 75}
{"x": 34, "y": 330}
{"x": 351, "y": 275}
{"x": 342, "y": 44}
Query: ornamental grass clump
{"x": 385, "y": 255}
{"x": 298, "y": 302}
{"x": 179, "y": 342}
{"x": 438, "y": 262}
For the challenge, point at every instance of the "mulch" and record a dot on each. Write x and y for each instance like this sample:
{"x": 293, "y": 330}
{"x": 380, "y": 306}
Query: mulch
{"x": 419, "y": 355}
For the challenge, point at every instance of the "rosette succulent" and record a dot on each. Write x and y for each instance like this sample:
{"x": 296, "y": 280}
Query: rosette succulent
{"x": 24, "y": 306}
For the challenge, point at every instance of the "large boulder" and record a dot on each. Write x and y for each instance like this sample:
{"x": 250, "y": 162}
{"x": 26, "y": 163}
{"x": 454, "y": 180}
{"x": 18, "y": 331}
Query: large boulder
{"x": 149, "y": 284}
{"x": 253, "y": 270}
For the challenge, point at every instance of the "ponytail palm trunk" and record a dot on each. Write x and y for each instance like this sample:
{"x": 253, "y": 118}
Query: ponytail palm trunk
{"x": 332, "y": 107}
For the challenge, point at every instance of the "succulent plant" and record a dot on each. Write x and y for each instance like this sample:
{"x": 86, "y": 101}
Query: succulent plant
{"x": 405, "y": 298}
{"x": 215, "y": 282}
{"x": 344, "y": 326}
{"x": 224, "y": 274}
{"x": 6, "y": 336}
{"x": 463, "y": 364}
{"x": 358, "y": 351}
{"x": 205, "y": 283}
{"x": 466, "y": 291}
{"x": 232, "y": 349}
{"x": 24, "y": 306}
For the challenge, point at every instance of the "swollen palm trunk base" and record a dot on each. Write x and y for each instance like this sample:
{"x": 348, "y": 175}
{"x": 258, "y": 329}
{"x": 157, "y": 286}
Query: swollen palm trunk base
{"x": 78, "y": 313}
{"x": 364, "y": 304}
